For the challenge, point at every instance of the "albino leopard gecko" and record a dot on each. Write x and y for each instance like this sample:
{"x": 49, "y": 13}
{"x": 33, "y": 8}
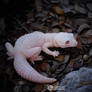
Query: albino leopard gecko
{"x": 30, "y": 46}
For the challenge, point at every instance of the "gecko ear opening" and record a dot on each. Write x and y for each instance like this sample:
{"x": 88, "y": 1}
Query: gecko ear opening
{"x": 67, "y": 42}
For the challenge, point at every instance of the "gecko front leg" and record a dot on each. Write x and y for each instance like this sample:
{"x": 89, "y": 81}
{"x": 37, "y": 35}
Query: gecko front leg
{"x": 49, "y": 52}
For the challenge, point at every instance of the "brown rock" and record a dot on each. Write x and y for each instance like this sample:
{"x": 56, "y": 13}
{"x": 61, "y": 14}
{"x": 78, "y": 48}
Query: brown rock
{"x": 60, "y": 58}
{"x": 58, "y": 10}
{"x": 56, "y": 30}
{"x": 43, "y": 66}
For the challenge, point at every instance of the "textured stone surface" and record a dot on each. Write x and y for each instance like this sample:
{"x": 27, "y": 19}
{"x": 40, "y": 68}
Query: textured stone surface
{"x": 72, "y": 80}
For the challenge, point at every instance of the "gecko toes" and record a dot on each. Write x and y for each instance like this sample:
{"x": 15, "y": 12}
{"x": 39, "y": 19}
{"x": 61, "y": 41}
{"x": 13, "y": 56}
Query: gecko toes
{"x": 55, "y": 53}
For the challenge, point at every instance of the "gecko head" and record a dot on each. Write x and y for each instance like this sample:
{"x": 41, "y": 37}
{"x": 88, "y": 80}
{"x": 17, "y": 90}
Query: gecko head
{"x": 64, "y": 40}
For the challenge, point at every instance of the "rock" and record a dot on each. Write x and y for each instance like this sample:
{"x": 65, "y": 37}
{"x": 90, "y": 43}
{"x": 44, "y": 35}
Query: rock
{"x": 67, "y": 25}
{"x": 88, "y": 33}
{"x": 80, "y": 21}
{"x": 87, "y": 37}
{"x": 89, "y": 14}
{"x": 66, "y": 58}
{"x": 43, "y": 66}
{"x": 48, "y": 69}
{"x": 60, "y": 58}
{"x": 21, "y": 82}
{"x": 55, "y": 30}
{"x": 52, "y": 14}
{"x": 74, "y": 63}
{"x": 58, "y": 10}
{"x": 80, "y": 9}
{"x": 64, "y": 2}
{"x": 84, "y": 41}
{"x": 49, "y": 87}
{"x": 68, "y": 9}
{"x": 38, "y": 88}
{"x": 79, "y": 43}
{"x": 55, "y": 24}
{"x": 90, "y": 52}
{"x": 55, "y": 1}
{"x": 53, "y": 87}
{"x": 26, "y": 88}
{"x": 17, "y": 89}
{"x": 54, "y": 66}
{"x": 69, "y": 30}
{"x": 77, "y": 81}
{"x": 61, "y": 20}
{"x": 44, "y": 74}
{"x": 89, "y": 6}
{"x": 82, "y": 27}
{"x": 85, "y": 57}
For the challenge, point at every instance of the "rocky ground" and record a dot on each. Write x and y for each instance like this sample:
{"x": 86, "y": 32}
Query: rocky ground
{"x": 51, "y": 16}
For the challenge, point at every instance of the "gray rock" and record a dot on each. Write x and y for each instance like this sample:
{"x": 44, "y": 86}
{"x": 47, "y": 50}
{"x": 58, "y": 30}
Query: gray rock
{"x": 72, "y": 80}
{"x": 55, "y": 1}
{"x": 69, "y": 8}
{"x": 82, "y": 27}
{"x": 90, "y": 52}
{"x": 89, "y": 14}
{"x": 64, "y": 2}
{"x": 80, "y": 9}
{"x": 17, "y": 89}
{"x": 85, "y": 57}
{"x": 89, "y": 6}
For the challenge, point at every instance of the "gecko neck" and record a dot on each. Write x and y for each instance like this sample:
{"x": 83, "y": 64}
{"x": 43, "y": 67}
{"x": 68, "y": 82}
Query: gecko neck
{"x": 50, "y": 37}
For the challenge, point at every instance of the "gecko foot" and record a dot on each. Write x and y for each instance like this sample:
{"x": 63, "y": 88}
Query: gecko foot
{"x": 36, "y": 58}
{"x": 55, "y": 53}
{"x": 10, "y": 56}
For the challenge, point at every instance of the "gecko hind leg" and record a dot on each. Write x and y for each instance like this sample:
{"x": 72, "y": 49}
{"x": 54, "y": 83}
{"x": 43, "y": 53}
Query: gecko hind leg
{"x": 33, "y": 54}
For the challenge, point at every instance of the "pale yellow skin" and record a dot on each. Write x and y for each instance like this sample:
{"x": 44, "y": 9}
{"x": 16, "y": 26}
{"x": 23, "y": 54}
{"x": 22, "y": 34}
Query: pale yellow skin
{"x": 30, "y": 46}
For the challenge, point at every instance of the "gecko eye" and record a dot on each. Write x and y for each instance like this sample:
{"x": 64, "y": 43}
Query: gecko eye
{"x": 67, "y": 42}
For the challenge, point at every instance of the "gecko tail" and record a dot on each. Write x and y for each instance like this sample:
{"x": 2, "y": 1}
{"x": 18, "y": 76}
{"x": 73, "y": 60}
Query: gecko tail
{"x": 25, "y": 70}
{"x": 10, "y": 50}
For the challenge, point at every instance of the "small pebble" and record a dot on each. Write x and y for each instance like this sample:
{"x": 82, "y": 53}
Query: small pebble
{"x": 55, "y": 86}
{"x": 54, "y": 66}
{"x": 58, "y": 10}
{"x": 55, "y": 1}
{"x": 66, "y": 58}
{"x": 89, "y": 6}
{"x": 26, "y": 88}
{"x": 43, "y": 66}
{"x": 38, "y": 88}
{"x": 90, "y": 52}
{"x": 67, "y": 25}
{"x": 89, "y": 14}
{"x": 80, "y": 9}
{"x": 85, "y": 57}
{"x": 82, "y": 27}
{"x": 44, "y": 74}
{"x": 64, "y": 2}
{"x": 55, "y": 30}
{"x": 48, "y": 69}
{"x": 69, "y": 30}
{"x": 21, "y": 82}
{"x": 17, "y": 89}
